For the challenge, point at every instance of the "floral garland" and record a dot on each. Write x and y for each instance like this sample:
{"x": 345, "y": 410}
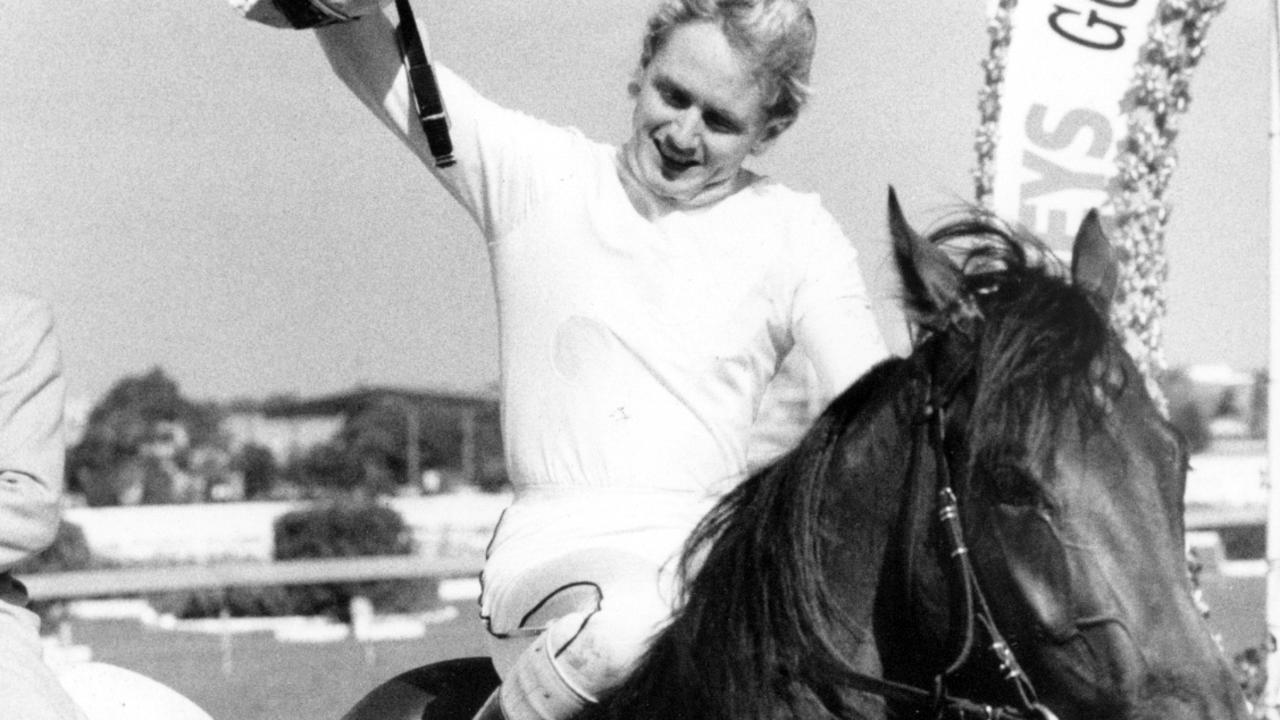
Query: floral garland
{"x": 1000, "y": 31}
{"x": 1158, "y": 95}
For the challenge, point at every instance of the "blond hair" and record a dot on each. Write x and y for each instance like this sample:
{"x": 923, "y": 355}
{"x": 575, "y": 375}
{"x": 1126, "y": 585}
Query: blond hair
{"x": 777, "y": 36}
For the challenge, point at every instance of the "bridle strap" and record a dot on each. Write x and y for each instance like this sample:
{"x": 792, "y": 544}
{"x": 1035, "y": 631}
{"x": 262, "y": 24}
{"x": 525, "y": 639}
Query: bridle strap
{"x": 974, "y": 603}
{"x": 959, "y": 708}
{"x": 974, "y": 607}
{"x": 422, "y": 85}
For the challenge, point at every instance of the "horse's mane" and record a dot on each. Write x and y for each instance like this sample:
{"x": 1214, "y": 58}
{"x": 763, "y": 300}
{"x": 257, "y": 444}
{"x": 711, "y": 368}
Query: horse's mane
{"x": 753, "y": 639}
{"x": 1040, "y": 346}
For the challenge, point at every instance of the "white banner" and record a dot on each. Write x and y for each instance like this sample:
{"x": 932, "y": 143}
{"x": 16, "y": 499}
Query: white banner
{"x": 1068, "y": 67}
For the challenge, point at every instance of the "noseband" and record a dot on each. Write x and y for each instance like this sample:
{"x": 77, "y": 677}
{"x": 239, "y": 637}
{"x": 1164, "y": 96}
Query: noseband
{"x": 974, "y": 604}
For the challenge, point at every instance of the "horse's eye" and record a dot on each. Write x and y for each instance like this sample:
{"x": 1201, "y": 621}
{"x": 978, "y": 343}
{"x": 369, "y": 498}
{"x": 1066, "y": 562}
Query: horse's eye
{"x": 986, "y": 284}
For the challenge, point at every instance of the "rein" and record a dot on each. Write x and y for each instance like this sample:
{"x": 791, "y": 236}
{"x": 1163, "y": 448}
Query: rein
{"x": 975, "y": 610}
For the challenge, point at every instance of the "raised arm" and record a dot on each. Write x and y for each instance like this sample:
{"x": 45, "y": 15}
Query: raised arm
{"x": 32, "y": 450}
{"x": 365, "y": 55}
{"x": 500, "y": 157}
{"x": 359, "y": 38}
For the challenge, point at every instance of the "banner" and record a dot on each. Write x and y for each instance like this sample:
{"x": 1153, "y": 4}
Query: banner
{"x": 1080, "y": 110}
{"x": 1054, "y": 108}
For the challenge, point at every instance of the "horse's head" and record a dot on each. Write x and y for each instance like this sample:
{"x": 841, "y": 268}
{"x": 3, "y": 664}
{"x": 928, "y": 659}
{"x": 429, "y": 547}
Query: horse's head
{"x": 1070, "y": 481}
{"x": 824, "y": 586}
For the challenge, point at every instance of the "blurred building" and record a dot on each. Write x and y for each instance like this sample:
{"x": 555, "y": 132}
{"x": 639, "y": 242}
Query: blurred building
{"x": 1228, "y": 399}
{"x": 470, "y": 422}
{"x": 287, "y": 431}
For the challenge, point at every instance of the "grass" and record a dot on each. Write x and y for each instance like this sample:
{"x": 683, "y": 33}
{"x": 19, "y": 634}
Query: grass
{"x": 270, "y": 680}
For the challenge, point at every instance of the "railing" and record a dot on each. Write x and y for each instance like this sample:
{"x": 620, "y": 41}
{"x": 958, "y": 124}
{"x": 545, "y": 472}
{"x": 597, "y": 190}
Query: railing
{"x": 138, "y": 581}
{"x": 135, "y": 581}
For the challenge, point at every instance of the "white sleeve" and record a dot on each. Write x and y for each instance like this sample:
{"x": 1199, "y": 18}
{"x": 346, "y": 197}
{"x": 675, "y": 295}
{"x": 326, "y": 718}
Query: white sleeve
{"x": 832, "y": 319}
{"x": 32, "y": 449}
{"x": 503, "y": 156}
{"x": 366, "y": 57}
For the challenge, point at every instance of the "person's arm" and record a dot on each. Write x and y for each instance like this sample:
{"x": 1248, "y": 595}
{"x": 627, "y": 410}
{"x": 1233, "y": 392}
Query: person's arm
{"x": 502, "y": 158}
{"x": 365, "y": 55}
{"x": 835, "y": 326}
{"x": 359, "y": 39}
{"x": 32, "y": 450}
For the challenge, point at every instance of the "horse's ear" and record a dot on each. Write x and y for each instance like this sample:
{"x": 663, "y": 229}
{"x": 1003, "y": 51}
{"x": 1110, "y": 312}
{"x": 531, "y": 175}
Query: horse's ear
{"x": 1093, "y": 262}
{"x": 930, "y": 280}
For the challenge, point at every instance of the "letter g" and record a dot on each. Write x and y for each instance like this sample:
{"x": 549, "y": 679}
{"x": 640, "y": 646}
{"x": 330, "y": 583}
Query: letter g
{"x": 1116, "y": 41}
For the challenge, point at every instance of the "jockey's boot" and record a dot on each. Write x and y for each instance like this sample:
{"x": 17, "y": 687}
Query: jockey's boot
{"x": 535, "y": 689}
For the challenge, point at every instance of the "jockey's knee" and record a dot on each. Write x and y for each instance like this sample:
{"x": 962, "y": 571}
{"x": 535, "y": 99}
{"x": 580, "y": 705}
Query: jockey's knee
{"x": 581, "y": 656}
{"x": 596, "y": 652}
{"x": 103, "y": 691}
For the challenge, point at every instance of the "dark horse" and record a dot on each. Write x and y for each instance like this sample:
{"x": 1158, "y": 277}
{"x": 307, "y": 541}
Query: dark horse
{"x": 990, "y": 527}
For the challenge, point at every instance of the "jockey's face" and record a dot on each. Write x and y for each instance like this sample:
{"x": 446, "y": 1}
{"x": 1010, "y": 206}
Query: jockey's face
{"x": 698, "y": 115}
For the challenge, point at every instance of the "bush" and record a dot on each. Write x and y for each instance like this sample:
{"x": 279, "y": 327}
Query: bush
{"x": 238, "y": 601}
{"x": 349, "y": 528}
{"x": 69, "y": 551}
{"x": 345, "y": 528}
{"x": 1250, "y": 667}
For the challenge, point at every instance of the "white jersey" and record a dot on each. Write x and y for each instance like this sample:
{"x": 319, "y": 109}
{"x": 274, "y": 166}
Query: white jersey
{"x": 635, "y": 351}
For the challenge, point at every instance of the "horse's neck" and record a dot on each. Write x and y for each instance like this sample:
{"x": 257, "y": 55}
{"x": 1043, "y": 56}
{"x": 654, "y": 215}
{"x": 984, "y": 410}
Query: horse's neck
{"x": 873, "y": 475}
{"x": 885, "y": 491}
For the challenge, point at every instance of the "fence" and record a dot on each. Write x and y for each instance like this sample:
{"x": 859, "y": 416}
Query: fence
{"x": 133, "y": 581}
{"x": 220, "y": 576}
{"x": 218, "y": 532}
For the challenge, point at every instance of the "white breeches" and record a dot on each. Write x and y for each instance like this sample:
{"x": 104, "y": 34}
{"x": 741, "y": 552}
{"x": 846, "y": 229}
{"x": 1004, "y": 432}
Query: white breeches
{"x": 595, "y": 570}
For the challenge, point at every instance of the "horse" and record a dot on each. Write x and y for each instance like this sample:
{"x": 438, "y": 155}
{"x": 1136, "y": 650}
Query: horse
{"x": 989, "y": 527}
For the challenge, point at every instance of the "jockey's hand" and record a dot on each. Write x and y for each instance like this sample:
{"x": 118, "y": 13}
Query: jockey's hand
{"x": 301, "y": 14}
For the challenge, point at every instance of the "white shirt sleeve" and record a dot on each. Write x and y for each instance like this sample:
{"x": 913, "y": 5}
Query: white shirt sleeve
{"x": 32, "y": 449}
{"x": 503, "y": 156}
{"x": 832, "y": 319}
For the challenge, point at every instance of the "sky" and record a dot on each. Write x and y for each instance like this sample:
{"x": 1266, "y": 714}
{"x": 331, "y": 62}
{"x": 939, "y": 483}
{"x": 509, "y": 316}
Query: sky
{"x": 196, "y": 192}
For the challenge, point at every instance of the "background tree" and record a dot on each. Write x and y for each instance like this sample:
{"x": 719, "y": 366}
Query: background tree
{"x": 259, "y": 468}
{"x": 1259, "y": 403}
{"x": 378, "y": 439}
{"x": 324, "y": 470}
{"x": 1184, "y": 411}
{"x": 141, "y": 416}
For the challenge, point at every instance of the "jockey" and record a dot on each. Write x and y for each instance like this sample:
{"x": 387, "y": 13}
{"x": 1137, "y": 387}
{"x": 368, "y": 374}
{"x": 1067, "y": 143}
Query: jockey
{"x": 647, "y": 293}
{"x": 31, "y": 461}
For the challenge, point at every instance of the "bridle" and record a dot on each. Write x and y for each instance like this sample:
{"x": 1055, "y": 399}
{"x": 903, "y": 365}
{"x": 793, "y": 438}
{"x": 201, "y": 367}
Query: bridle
{"x": 974, "y": 606}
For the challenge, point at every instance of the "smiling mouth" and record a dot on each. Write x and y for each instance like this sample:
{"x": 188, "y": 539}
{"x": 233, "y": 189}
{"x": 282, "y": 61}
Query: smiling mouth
{"x": 672, "y": 164}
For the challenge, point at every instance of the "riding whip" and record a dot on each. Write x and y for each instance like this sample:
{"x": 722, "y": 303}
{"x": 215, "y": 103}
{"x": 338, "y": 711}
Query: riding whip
{"x": 422, "y": 84}
{"x": 424, "y": 92}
